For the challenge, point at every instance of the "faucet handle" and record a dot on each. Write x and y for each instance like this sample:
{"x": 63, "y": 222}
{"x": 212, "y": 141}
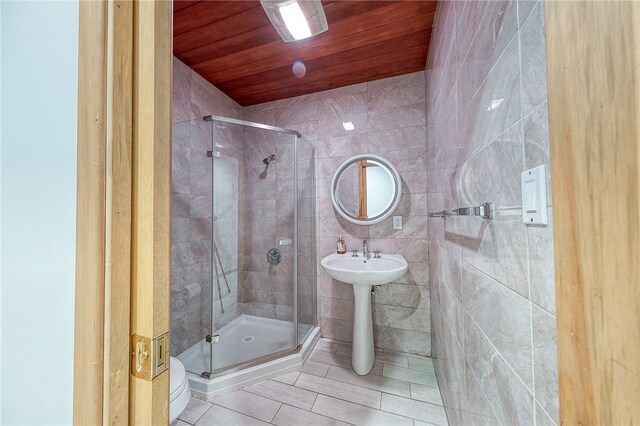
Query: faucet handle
{"x": 354, "y": 253}
{"x": 376, "y": 254}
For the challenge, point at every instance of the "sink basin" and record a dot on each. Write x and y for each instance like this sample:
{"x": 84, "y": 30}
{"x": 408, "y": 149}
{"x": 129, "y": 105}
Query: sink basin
{"x": 362, "y": 271}
{"x": 362, "y": 274}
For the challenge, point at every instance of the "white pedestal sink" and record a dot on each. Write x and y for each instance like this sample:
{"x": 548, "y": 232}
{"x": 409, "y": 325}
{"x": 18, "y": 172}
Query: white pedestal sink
{"x": 363, "y": 273}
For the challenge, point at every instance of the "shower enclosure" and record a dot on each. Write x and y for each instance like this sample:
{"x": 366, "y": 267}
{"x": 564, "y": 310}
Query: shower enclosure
{"x": 244, "y": 276}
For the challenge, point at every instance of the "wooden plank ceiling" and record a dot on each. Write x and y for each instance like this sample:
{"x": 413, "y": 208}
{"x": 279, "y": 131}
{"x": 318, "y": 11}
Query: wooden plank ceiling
{"x": 234, "y": 46}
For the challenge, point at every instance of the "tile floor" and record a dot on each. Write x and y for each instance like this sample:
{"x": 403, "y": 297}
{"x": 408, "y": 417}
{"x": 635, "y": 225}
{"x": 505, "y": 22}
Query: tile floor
{"x": 400, "y": 390}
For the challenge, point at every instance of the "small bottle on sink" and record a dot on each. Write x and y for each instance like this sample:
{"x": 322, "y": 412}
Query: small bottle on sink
{"x": 342, "y": 247}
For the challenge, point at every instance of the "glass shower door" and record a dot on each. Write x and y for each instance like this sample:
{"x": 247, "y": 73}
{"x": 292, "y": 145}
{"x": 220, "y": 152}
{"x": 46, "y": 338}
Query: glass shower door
{"x": 306, "y": 244}
{"x": 253, "y": 241}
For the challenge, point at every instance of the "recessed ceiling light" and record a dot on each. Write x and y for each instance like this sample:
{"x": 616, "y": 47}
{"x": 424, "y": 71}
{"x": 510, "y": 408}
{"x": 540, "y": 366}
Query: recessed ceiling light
{"x": 296, "y": 20}
{"x": 495, "y": 104}
{"x": 348, "y": 125}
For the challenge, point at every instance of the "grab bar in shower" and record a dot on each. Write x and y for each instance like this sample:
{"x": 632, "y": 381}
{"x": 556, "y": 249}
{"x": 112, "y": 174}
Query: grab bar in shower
{"x": 484, "y": 210}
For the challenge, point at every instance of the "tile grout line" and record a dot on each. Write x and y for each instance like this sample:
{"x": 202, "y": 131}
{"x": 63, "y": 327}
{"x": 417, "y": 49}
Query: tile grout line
{"x": 411, "y": 399}
{"x": 239, "y": 412}
{"x": 203, "y": 414}
{"x": 276, "y": 415}
{"x": 484, "y": 393}
{"x": 350, "y": 402}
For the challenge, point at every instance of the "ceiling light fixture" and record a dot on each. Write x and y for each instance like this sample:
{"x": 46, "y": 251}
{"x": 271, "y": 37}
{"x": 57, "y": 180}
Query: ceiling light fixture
{"x": 495, "y": 104}
{"x": 348, "y": 125}
{"x": 296, "y": 19}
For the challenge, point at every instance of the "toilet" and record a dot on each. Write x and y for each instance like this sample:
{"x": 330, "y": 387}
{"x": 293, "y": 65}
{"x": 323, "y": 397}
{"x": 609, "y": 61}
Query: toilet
{"x": 180, "y": 391}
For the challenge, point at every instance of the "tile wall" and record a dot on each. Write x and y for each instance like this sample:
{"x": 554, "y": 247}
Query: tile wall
{"x": 493, "y": 303}
{"x": 253, "y": 211}
{"x": 267, "y": 290}
{"x": 389, "y": 120}
{"x": 193, "y": 97}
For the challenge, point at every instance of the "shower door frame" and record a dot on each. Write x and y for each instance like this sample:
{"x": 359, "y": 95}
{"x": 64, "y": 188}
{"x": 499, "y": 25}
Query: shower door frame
{"x": 297, "y": 345}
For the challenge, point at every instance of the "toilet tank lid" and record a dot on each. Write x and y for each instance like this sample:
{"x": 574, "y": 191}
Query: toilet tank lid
{"x": 177, "y": 374}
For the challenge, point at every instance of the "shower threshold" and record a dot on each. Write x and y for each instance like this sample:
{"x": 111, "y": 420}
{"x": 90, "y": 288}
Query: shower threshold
{"x": 251, "y": 349}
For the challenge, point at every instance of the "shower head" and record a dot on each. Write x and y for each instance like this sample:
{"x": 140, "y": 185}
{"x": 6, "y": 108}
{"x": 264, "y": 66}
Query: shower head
{"x": 269, "y": 159}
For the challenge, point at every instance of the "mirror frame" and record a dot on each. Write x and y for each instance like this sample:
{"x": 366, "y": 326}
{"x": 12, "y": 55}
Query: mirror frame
{"x": 389, "y": 211}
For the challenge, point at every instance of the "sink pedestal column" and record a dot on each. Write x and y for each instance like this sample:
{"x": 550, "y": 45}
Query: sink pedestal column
{"x": 362, "y": 356}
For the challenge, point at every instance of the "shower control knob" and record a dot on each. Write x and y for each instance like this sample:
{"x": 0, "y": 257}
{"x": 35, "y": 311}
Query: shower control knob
{"x": 274, "y": 256}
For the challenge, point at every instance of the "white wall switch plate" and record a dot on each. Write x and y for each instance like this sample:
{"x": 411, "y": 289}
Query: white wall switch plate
{"x": 534, "y": 196}
{"x": 397, "y": 222}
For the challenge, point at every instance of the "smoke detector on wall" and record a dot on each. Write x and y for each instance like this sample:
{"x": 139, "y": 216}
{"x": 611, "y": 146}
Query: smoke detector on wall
{"x": 296, "y": 19}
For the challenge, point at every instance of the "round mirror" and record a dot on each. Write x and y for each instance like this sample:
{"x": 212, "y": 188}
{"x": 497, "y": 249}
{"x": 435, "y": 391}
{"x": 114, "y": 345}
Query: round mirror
{"x": 366, "y": 189}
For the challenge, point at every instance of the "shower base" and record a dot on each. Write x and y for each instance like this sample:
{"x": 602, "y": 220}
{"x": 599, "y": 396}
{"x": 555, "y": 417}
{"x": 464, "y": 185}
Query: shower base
{"x": 244, "y": 339}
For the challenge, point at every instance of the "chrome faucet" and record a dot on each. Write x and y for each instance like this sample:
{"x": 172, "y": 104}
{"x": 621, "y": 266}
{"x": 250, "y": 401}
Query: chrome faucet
{"x": 365, "y": 250}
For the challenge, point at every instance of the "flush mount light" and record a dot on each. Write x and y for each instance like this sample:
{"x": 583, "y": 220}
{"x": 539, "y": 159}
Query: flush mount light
{"x": 348, "y": 125}
{"x": 296, "y": 19}
{"x": 494, "y": 104}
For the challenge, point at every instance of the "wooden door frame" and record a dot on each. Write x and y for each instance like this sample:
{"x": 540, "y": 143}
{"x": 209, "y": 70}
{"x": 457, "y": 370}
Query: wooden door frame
{"x": 123, "y": 213}
{"x": 593, "y": 62}
{"x": 123, "y": 207}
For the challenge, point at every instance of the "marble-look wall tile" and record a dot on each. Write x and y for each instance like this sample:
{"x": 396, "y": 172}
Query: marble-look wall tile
{"x": 191, "y": 250}
{"x": 478, "y": 410}
{"x": 495, "y": 32}
{"x": 402, "y": 295}
{"x": 503, "y": 316}
{"x": 408, "y": 341}
{"x": 505, "y": 391}
{"x": 541, "y": 267}
{"x": 524, "y": 9}
{"x": 396, "y": 91}
{"x": 398, "y": 117}
{"x": 533, "y": 59}
{"x": 496, "y": 105}
{"x": 542, "y": 417}
{"x": 337, "y": 329}
{"x": 545, "y": 361}
{"x": 535, "y": 129}
{"x": 389, "y": 120}
{"x": 487, "y": 122}
{"x": 400, "y": 317}
{"x": 181, "y": 100}
{"x": 499, "y": 249}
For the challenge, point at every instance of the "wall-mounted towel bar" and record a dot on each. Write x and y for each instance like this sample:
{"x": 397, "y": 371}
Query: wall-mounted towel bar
{"x": 485, "y": 211}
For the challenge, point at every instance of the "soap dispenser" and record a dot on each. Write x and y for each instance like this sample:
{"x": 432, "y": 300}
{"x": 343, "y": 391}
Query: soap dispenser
{"x": 342, "y": 247}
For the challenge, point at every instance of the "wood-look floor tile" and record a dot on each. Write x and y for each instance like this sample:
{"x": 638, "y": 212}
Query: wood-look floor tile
{"x": 250, "y": 404}
{"x": 344, "y": 350}
{"x": 195, "y": 409}
{"x": 326, "y": 345}
{"x": 340, "y": 361}
{"x": 219, "y": 416}
{"x": 290, "y": 416}
{"x": 357, "y": 414}
{"x": 315, "y": 368}
{"x": 414, "y": 376}
{"x": 288, "y": 378}
{"x": 345, "y": 391}
{"x": 421, "y": 363}
{"x": 392, "y": 359}
{"x": 419, "y": 423}
{"x": 423, "y": 411}
{"x": 370, "y": 381}
{"x": 426, "y": 394}
{"x": 282, "y": 392}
